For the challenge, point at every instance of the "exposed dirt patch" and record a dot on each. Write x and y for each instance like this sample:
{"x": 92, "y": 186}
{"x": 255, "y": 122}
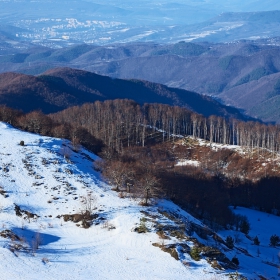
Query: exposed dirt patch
{"x": 171, "y": 249}
{"x": 25, "y": 214}
{"x": 85, "y": 219}
{"x": 9, "y": 234}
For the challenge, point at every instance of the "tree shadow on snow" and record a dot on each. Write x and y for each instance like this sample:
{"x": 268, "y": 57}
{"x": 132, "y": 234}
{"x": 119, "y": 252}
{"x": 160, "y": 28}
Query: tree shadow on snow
{"x": 31, "y": 236}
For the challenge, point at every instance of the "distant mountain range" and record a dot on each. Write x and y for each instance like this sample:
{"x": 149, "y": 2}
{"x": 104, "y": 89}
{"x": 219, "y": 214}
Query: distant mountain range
{"x": 239, "y": 65}
{"x": 61, "y": 88}
{"x": 243, "y": 74}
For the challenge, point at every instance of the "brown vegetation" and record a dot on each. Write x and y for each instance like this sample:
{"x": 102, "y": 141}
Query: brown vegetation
{"x": 37, "y": 122}
{"x": 124, "y": 123}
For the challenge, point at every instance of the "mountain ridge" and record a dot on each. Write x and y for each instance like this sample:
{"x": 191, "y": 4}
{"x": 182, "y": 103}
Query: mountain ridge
{"x": 60, "y": 88}
{"x": 217, "y": 70}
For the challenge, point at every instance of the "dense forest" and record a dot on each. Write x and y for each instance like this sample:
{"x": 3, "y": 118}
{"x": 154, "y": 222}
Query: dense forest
{"x": 141, "y": 145}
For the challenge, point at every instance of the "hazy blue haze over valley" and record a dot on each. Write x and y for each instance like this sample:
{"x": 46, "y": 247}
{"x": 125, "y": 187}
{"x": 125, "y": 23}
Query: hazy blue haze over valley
{"x": 127, "y": 21}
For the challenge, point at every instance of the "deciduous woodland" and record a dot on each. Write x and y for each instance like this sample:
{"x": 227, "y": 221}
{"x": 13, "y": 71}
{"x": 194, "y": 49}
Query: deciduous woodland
{"x": 141, "y": 145}
{"x": 206, "y": 190}
{"x": 120, "y": 123}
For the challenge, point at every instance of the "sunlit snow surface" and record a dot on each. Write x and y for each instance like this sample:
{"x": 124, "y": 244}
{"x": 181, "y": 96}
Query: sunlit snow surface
{"x": 188, "y": 162}
{"x": 73, "y": 252}
{"x": 39, "y": 179}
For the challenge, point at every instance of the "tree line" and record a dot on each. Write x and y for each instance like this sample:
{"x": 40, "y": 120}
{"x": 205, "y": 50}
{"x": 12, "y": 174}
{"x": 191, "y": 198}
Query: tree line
{"x": 37, "y": 122}
{"x": 122, "y": 123}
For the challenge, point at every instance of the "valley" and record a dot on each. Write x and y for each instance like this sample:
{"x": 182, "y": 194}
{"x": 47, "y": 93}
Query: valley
{"x": 245, "y": 76}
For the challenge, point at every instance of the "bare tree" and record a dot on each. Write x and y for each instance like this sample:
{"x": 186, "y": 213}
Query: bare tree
{"x": 113, "y": 172}
{"x": 88, "y": 203}
{"x": 148, "y": 187}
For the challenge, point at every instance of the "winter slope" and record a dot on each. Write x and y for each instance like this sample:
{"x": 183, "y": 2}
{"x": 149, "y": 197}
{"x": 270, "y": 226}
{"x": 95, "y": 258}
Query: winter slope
{"x": 263, "y": 225}
{"x": 71, "y": 252}
{"x": 38, "y": 179}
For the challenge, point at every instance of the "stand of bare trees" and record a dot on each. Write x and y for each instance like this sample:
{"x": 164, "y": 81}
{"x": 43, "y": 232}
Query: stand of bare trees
{"x": 135, "y": 175}
{"x": 149, "y": 173}
{"x": 37, "y": 122}
{"x": 122, "y": 123}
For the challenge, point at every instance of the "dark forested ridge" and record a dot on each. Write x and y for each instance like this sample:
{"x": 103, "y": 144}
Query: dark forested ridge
{"x": 61, "y": 88}
{"x": 243, "y": 74}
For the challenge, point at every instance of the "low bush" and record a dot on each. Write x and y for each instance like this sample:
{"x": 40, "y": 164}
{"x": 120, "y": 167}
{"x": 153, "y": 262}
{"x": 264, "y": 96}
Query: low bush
{"x": 195, "y": 254}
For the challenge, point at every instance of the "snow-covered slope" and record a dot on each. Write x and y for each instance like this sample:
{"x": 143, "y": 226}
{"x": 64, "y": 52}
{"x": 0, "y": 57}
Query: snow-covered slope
{"x": 38, "y": 179}
{"x": 262, "y": 259}
{"x": 40, "y": 191}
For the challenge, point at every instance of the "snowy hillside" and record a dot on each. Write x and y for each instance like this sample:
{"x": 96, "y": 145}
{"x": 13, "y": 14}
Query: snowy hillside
{"x": 58, "y": 220}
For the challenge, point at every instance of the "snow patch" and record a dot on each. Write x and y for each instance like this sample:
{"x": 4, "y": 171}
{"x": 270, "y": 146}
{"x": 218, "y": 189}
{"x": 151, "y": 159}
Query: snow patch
{"x": 188, "y": 162}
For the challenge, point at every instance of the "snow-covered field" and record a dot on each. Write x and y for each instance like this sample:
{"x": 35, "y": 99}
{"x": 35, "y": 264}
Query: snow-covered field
{"x": 263, "y": 259}
{"x": 37, "y": 179}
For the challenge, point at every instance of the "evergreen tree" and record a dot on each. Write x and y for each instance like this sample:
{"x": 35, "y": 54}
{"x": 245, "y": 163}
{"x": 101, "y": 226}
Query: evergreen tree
{"x": 274, "y": 240}
{"x": 230, "y": 242}
{"x": 256, "y": 241}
